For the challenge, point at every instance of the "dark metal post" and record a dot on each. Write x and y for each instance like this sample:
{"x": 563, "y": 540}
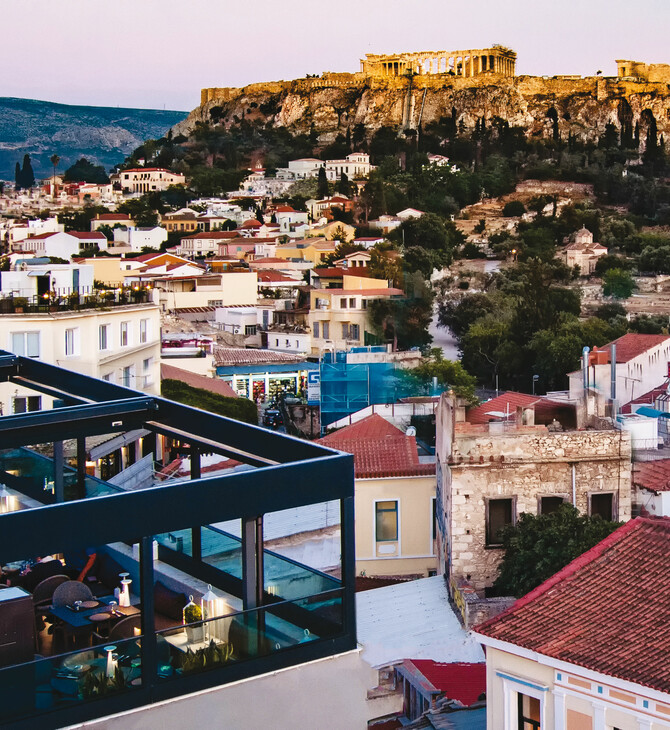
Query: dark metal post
{"x": 195, "y": 463}
{"x": 348, "y": 544}
{"x": 196, "y": 534}
{"x": 59, "y": 482}
{"x": 260, "y": 562}
{"x": 249, "y": 564}
{"x": 81, "y": 466}
{"x": 148, "y": 647}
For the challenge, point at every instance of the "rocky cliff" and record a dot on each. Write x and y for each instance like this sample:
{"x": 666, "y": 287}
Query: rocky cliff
{"x": 543, "y": 106}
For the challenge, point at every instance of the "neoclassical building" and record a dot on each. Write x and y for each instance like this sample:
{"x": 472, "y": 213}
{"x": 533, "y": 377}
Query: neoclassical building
{"x": 468, "y": 63}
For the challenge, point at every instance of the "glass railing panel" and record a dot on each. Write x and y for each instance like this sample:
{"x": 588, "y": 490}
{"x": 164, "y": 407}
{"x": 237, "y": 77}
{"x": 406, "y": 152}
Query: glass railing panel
{"x": 180, "y": 541}
{"x": 222, "y": 551}
{"x": 57, "y": 682}
{"x": 289, "y": 580}
{"x": 244, "y": 635}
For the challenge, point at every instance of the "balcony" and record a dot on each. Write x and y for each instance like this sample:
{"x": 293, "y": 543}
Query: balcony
{"x": 94, "y": 299}
{"x": 203, "y": 537}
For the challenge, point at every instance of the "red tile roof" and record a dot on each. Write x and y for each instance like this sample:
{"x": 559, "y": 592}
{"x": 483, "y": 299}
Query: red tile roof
{"x": 631, "y": 345}
{"x": 276, "y": 276}
{"x": 85, "y": 236}
{"x": 213, "y": 385}
{"x": 330, "y": 271}
{"x": 112, "y": 217}
{"x": 647, "y": 399}
{"x": 365, "y": 292}
{"x": 458, "y": 681}
{"x": 502, "y": 403}
{"x": 212, "y": 235}
{"x": 251, "y": 223}
{"x": 379, "y": 448}
{"x": 606, "y": 611}
{"x": 224, "y": 356}
{"x": 653, "y": 475}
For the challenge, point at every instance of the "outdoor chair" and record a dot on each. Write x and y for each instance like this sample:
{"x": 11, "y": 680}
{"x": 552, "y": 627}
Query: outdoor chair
{"x": 67, "y": 593}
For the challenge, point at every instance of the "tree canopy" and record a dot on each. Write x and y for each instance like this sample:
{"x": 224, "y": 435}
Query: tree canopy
{"x": 538, "y": 546}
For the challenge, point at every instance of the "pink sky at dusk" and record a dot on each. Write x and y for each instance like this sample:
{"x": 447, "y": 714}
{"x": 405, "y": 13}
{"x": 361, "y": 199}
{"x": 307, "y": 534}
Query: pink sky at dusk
{"x": 155, "y": 53}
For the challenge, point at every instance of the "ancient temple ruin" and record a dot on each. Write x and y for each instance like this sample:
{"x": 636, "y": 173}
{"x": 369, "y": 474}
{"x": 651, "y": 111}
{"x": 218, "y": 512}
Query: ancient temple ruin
{"x": 469, "y": 63}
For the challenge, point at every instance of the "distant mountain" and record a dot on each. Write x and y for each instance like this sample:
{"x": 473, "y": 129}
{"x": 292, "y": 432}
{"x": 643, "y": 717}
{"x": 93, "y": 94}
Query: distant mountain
{"x": 105, "y": 135}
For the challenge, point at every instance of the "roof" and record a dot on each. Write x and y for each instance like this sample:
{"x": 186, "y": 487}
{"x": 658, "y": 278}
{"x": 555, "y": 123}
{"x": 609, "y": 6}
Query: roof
{"x": 461, "y": 681}
{"x": 150, "y": 169}
{"x": 631, "y": 345}
{"x": 213, "y": 385}
{"x": 243, "y": 356}
{"x": 112, "y": 217}
{"x": 276, "y": 276}
{"x": 645, "y": 399}
{"x": 379, "y": 448}
{"x": 501, "y": 404}
{"x": 606, "y": 611}
{"x": 652, "y": 475}
{"x": 412, "y": 619}
{"x": 213, "y": 235}
{"x": 251, "y": 223}
{"x": 90, "y": 234}
{"x": 390, "y": 292}
{"x": 330, "y": 271}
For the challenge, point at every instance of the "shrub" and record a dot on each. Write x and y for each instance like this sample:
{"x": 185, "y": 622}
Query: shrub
{"x": 513, "y": 209}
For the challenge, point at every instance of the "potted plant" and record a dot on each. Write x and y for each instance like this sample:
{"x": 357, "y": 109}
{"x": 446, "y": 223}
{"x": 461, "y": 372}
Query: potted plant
{"x": 195, "y": 631}
{"x": 20, "y": 303}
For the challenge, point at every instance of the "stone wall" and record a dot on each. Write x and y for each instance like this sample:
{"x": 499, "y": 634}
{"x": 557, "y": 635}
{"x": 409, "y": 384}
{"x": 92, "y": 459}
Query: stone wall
{"x": 523, "y": 464}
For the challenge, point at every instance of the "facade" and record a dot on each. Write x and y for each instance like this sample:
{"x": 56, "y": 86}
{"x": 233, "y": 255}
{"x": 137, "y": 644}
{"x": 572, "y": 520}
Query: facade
{"x": 167, "y": 543}
{"x": 56, "y": 245}
{"x": 181, "y": 221}
{"x": 204, "y": 243}
{"x": 35, "y": 278}
{"x": 395, "y": 499}
{"x": 147, "y": 179}
{"x": 207, "y": 290}
{"x": 355, "y": 165}
{"x": 491, "y": 472}
{"x": 468, "y": 63}
{"x": 576, "y": 652}
{"x": 111, "y": 220}
{"x": 338, "y": 317}
{"x": 139, "y": 238}
{"x": 312, "y": 250}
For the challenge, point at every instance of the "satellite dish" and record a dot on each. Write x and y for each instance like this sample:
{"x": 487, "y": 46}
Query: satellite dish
{"x": 411, "y": 431}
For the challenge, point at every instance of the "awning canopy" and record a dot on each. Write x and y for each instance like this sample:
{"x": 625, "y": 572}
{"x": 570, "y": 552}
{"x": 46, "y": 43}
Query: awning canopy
{"x": 651, "y": 412}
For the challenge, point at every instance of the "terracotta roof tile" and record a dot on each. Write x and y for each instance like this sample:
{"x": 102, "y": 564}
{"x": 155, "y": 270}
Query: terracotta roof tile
{"x": 511, "y": 399}
{"x": 242, "y": 356}
{"x": 654, "y": 475}
{"x": 606, "y": 611}
{"x": 379, "y": 448}
{"x": 631, "y": 345}
{"x": 459, "y": 681}
{"x": 213, "y": 385}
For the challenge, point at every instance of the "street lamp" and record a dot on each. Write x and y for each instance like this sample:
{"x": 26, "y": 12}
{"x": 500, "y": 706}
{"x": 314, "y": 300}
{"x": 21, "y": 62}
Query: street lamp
{"x": 535, "y": 379}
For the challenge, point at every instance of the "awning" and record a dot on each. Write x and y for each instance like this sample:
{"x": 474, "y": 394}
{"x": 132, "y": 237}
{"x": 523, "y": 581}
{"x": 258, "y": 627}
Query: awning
{"x": 651, "y": 412}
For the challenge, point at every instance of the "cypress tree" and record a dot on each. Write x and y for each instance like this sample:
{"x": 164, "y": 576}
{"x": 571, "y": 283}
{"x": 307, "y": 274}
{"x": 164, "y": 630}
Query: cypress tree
{"x": 17, "y": 176}
{"x": 27, "y": 174}
{"x": 322, "y": 184}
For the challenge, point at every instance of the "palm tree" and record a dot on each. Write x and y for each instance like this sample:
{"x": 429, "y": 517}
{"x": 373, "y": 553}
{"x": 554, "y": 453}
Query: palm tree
{"x": 54, "y": 159}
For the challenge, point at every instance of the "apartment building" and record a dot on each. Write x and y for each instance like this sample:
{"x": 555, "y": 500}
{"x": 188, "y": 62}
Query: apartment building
{"x": 147, "y": 179}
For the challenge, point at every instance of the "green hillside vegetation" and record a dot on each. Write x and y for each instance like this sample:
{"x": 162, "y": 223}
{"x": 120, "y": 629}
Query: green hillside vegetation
{"x": 240, "y": 409}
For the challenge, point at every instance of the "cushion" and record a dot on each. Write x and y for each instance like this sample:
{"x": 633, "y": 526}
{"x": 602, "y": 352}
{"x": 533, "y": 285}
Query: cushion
{"x": 168, "y": 602}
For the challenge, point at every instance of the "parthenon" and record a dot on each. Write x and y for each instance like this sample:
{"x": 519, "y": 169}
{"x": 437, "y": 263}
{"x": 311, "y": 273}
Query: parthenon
{"x": 497, "y": 59}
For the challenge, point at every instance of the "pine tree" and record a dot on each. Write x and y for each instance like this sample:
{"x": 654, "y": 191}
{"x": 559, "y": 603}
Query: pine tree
{"x": 322, "y": 184}
{"x": 27, "y": 174}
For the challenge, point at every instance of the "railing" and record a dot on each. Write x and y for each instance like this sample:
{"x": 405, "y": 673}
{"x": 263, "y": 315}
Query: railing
{"x": 88, "y": 299}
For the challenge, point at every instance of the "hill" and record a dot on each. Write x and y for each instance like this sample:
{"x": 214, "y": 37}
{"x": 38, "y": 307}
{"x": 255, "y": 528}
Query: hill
{"x": 105, "y": 135}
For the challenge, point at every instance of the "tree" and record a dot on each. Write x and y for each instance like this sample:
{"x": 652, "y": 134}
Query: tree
{"x": 85, "y": 171}
{"x": 54, "y": 159}
{"x": 618, "y": 283}
{"x": 17, "y": 176}
{"x": 513, "y": 209}
{"x": 449, "y": 373}
{"x": 27, "y": 176}
{"x": 322, "y": 187}
{"x": 538, "y": 546}
{"x": 344, "y": 186}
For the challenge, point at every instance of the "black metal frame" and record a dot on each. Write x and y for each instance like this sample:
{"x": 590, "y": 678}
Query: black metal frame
{"x": 289, "y": 473}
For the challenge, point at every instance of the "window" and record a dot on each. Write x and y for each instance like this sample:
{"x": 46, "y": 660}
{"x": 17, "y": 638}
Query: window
{"x": 602, "y": 504}
{"x": 103, "y": 336}
{"x": 326, "y": 330}
{"x": 316, "y": 329}
{"x": 123, "y": 340}
{"x": 24, "y": 404}
{"x": 144, "y": 330}
{"x": 528, "y": 712}
{"x": 352, "y": 303}
{"x": 433, "y": 523}
{"x": 499, "y": 514}
{"x": 70, "y": 342}
{"x": 386, "y": 521}
{"x": 364, "y": 303}
{"x": 108, "y": 377}
{"x": 250, "y": 329}
{"x": 26, "y": 344}
{"x": 354, "y": 332}
{"x": 343, "y": 303}
{"x": 550, "y": 504}
{"x": 345, "y": 331}
{"x": 126, "y": 376}
{"x": 146, "y": 364}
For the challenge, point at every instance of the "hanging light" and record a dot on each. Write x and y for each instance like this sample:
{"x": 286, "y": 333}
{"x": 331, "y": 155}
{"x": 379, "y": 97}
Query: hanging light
{"x": 214, "y": 607}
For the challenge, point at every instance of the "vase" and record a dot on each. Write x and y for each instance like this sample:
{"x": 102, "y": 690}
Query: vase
{"x": 195, "y": 634}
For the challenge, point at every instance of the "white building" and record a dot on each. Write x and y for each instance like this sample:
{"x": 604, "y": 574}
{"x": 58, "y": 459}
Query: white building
{"x": 288, "y": 218}
{"x": 35, "y": 280}
{"x": 305, "y": 167}
{"x": 57, "y": 245}
{"x": 146, "y": 179}
{"x": 355, "y": 165}
{"x": 139, "y": 238}
{"x": 120, "y": 344}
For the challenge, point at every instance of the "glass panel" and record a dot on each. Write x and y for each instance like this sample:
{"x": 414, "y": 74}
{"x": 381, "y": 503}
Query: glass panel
{"x": 60, "y": 681}
{"x": 237, "y": 636}
{"x": 33, "y": 344}
{"x": 178, "y": 540}
{"x": 387, "y": 521}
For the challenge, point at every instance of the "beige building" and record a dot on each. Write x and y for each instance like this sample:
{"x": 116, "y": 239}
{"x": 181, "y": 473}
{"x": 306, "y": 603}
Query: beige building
{"x": 466, "y": 63}
{"x": 207, "y": 290}
{"x": 339, "y": 317}
{"x": 394, "y": 501}
{"x": 496, "y": 462}
{"x": 147, "y": 179}
{"x": 106, "y": 269}
{"x": 586, "y": 650}
{"x": 119, "y": 344}
{"x": 583, "y": 252}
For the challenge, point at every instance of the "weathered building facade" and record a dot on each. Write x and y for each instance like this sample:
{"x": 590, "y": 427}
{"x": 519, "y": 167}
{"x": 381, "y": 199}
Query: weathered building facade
{"x": 488, "y": 474}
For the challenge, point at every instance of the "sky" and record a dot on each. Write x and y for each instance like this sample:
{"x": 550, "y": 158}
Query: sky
{"x": 158, "y": 53}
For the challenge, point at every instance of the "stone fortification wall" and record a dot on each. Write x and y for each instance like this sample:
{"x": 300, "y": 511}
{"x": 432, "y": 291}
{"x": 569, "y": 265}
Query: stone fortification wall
{"x": 526, "y": 466}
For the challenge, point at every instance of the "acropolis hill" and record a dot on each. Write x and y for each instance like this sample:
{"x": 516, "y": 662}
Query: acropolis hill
{"x": 405, "y": 90}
